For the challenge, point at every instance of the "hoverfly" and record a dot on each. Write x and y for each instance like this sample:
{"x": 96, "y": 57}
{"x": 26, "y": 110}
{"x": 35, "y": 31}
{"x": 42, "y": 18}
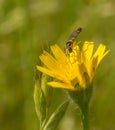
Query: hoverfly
{"x": 71, "y": 39}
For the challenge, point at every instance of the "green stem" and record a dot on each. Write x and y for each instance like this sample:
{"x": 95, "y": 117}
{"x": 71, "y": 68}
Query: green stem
{"x": 82, "y": 98}
{"x": 85, "y": 116}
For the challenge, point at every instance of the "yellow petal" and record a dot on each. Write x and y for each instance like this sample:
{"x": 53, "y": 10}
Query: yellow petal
{"x": 100, "y": 50}
{"x": 61, "y": 85}
{"x": 99, "y": 55}
{"x": 87, "y": 50}
{"x": 51, "y": 73}
{"x": 48, "y": 60}
{"x": 105, "y": 53}
{"x": 52, "y": 63}
{"x": 60, "y": 57}
{"x": 76, "y": 54}
{"x": 59, "y": 54}
{"x": 77, "y": 71}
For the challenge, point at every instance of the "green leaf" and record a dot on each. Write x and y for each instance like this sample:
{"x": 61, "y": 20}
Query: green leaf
{"x": 56, "y": 117}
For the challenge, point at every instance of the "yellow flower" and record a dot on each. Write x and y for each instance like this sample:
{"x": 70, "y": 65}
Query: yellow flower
{"x": 72, "y": 69}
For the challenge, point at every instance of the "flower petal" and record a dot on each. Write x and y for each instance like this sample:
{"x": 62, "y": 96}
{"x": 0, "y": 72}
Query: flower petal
{"x": 87, "y": 50}
{"x": 59, "y": 54}
{"x": 48, "y": 60}
{"x": 61, "y": 85}
{"x": 60, "y": 57}
{"x": 53, "y": 64}
{"x": 51, "y": 73}
{"x": 99, "y": 55}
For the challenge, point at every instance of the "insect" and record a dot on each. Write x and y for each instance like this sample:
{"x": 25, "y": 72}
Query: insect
{"x": 71, "y": 39}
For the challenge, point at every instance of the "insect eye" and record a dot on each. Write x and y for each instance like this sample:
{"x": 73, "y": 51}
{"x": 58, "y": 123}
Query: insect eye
{"x": 69, "y": 43}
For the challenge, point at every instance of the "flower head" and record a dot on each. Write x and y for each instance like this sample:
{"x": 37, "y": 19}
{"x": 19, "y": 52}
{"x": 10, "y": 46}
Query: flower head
{"x": 72, "y": 69}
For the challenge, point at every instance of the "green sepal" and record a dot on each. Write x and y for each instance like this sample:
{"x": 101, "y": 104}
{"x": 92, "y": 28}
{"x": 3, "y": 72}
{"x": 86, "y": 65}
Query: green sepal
{"x": 55, "y": 118}
{"x": 40, "y": 103}
{"x": 46, "y": 89}
{"x": 37, "y": 91}
{"x": 42, "y": 107}
{"x": 82, "y": 95}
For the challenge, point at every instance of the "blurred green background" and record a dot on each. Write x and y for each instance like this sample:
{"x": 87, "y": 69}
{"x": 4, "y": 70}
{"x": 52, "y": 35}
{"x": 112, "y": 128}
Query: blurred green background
{"x": 28, "y": 26}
